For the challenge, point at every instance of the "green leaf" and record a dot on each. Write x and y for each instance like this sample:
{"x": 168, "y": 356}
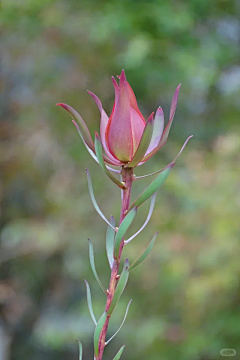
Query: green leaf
{"x": 122, "y": 282}
{"x": 117, "y": 357}
{"x": 89, "y": 302}
{"x": 98, "y": 149}
{"x": 91, "y": 193}
{"x": 110, "y": 242}
{"x": 173, "y": 161}
{"x": 153, "y": 187}
{"x": 152, "y": 203}
{"x": 147, "y": 175}
{"x": 145, "y": 253}
{"x": 123, "y": 229}
{"x": 144, "y": 143}
{"x": 98, "y": 330}
{"x": 91, "y": 152}
{"x": 92, "y": 262}
{"x": 83, "y": 129}
{"x": 80, "y": 349}
{"x": 107, "y": 342}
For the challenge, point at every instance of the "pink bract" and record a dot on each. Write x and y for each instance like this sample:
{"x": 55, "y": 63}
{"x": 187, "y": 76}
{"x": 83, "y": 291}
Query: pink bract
{"x": 127, "y": 139}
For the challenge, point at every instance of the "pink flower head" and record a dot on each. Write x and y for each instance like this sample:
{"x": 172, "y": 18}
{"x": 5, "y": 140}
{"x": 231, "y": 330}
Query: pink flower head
{"x": 127, "y": 139}
{"x": 126, "y": 123}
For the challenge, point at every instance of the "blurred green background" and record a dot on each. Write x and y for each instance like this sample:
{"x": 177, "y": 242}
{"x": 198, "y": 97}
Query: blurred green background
{"x": 186, "y": 294}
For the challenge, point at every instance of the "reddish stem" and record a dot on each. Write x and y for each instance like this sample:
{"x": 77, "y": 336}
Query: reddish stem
{"x": 127, "y": 176}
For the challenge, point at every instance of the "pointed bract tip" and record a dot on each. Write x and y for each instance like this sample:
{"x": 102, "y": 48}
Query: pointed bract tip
{"x": 151, "y": 118}
{"x": 75, "y": 124}
{"x": 171, "y": 165}
{"x": 97, "y": 136}
{"x": 65, "y": 106}
{"x": 159, "y": 110}
{"x": 115, "y": 84}
{"x": 123, "y": 76}
{"x": 95, "y": 98}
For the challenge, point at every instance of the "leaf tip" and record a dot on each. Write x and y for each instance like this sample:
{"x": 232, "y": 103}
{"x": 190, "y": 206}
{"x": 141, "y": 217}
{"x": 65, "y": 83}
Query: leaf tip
{"x": 64, "y": 106}
{"x": 170, "y": 166}
{"x": 97, "y": 135}
{"x": 150, "y": 120}
{"x": 74, "y": 123}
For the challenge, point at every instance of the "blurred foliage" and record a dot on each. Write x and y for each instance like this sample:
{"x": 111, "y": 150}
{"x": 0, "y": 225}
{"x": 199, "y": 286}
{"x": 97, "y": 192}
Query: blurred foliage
{"x": 186, "y": 295}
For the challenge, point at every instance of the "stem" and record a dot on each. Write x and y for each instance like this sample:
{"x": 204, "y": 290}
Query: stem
{"x": 127, "y": 176}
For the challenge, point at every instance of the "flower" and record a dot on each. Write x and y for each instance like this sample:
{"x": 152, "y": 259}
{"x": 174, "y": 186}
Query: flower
{"x": 126, "y": 138}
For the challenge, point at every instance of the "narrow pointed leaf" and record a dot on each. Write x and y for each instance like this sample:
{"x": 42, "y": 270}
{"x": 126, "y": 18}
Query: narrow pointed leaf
{"x": 127, "y": 221}
{"x": 107, "y": 342}
{"x": 154, "y": 173}
{"x": 92, "y": 153}
{"x": 89, "y": 302}
{"x": 145, "y": 253}
{"x": 144, "y": 143}
{"x": 122, "y": 282}
{"x": 80, "y": 349}
{"x": 98, "y": 149}
{"x": 153, "y": 187}
{"x": 117, "y": 357}
{"x": 85, "y": 134}
{"x": 91, "y": 193}
{"x": 92, "y": 262}
{"x": 97, "y": 332}
{"x": 153, "y": 198}
{"x": 110, "y": 237}
{"x": 157, "y": 172}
